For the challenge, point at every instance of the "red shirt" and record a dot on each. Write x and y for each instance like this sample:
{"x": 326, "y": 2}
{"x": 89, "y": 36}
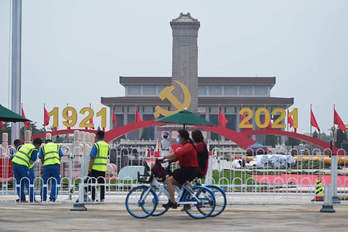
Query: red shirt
{"x": 200, "y": 149}
{"x": 187, "y": 156}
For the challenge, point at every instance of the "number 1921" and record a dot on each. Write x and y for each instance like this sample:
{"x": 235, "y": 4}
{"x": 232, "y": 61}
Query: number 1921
{"x": 69, "y": 115}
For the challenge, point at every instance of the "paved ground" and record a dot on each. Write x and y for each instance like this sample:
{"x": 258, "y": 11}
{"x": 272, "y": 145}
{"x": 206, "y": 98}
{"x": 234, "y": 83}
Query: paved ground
{"x": 114, "y": 217}
{"x": 232, "y": 198}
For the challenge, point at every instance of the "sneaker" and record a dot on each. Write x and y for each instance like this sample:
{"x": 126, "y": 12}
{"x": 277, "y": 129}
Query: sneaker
{"x": 34, "y": 201}
{"x": 170, "y": 205}
{"x": 20, "y": 201}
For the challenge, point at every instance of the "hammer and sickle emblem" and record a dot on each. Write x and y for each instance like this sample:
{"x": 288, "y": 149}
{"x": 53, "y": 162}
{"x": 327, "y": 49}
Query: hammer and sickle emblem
{"x": 167, "y": 93}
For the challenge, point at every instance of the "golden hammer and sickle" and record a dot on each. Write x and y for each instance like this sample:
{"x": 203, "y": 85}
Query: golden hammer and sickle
{"x": 167, "y": 93}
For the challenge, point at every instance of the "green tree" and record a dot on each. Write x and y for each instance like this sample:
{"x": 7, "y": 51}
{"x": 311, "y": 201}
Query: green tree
{"x": 35, "y": 130}
{"x": 324, "y": 137}
{"x": 340, "y": 137}
{"x": 271, "y": 140}
{"x": 292, "y": 142}
{"x": 7, "y": 130}
{"x": 315, "y": 134}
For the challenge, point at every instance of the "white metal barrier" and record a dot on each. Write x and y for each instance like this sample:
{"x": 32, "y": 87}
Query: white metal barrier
{"x": 292, "y": 174}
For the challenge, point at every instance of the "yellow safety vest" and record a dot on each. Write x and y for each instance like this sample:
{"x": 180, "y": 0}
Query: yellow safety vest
{"x": 50, "y": 153}
{"x": 23, "y": 155}
{"x": 101, "y": 160}
{"x": 31, "y": 164}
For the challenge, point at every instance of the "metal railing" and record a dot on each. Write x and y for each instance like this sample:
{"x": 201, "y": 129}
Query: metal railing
{"x": 292, "y": 174}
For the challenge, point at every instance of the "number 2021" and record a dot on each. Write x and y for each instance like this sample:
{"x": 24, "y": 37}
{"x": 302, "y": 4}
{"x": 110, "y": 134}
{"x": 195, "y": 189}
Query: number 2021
{"x": 69, "y": 113}
{"x": 278, "y": 113}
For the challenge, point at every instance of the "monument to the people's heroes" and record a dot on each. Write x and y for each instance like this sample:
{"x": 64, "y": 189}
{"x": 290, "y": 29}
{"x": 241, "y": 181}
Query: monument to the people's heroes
{"x": 185, "y": 56}
{"x": 153, "y": 96}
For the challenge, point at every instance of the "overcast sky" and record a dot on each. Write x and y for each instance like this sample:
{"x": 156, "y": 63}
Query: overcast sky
{"x": 74, "y": 51}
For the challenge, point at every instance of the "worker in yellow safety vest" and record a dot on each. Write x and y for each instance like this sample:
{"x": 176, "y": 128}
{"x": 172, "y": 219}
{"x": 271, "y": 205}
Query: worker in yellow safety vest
{"x": 97, "y": 165}
{"x": 21, "y": 162}
{"x": 50, "y": 155}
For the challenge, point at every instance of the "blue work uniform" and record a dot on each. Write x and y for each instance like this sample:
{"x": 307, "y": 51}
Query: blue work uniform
{"x": 22, "y": 178}
{"x": 12, "y": 153}
{"x": 31, "y": 175}
{"x": 14, "y": 150}
{"x": 94, "y": 150}
{"x": 50, "y": 172}
{"x": 99, "y": 153}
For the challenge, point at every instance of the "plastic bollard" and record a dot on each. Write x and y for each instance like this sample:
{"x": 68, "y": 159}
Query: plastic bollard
{"x": 327, "y": 206}
{"x": 80, "y": 204}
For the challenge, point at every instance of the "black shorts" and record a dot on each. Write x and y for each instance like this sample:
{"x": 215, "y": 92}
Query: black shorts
{"x": 182, "y": 175}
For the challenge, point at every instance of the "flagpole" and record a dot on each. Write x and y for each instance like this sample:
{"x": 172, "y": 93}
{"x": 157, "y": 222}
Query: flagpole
{"x": 44, "y": 109}
{"x": 333, "y": 128}
{"x": 90, "y": 106}
{"x": 219, "y": 110}
{"x": 43, "y": 124}
{"x": 334, "y": 106}
{"x": 287, "y": 120}
{"x": 310, "y": 120}
{"x": 310, "y": 126}
{"x": 16, "y": 56}
{"x": 21, "y": 125}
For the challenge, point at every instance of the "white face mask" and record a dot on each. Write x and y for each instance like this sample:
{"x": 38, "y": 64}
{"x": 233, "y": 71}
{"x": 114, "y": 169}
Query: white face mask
{"x": 178, "y": 140}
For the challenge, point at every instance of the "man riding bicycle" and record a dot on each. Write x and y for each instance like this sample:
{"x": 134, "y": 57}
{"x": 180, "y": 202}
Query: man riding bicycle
{"x": 189, "y": 168}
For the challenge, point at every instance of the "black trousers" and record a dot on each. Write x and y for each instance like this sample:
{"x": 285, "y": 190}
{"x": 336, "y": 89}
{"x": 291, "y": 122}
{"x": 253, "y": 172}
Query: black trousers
{"x": 92, "y": 177}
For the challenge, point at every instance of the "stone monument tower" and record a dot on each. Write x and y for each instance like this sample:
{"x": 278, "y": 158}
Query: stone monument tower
{"x": 185, "y": 56}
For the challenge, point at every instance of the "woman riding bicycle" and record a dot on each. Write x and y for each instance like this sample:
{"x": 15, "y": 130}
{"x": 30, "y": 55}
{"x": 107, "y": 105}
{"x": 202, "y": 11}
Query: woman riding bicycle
{"x": 187, "y": 157}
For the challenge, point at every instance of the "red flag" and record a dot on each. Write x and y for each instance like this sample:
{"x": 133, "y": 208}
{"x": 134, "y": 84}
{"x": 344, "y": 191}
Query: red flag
{"x": 91, "y": 122}
{"x": 243, "y": 117}
{"x": 138, "y": 117}
{"x": 270, "y": 124}
{"x": 290, "y": 120}
{"x": 26, "y": 124}
{"x": 114, "y": 119}
{"x": 222, "y": 119}
{"x": 338, "y": 121}
{"x": 2, "y": 125}
{"x": 314, "y": 121}
{"x": 46, "y": 117}
{"x": 247, "y": 123}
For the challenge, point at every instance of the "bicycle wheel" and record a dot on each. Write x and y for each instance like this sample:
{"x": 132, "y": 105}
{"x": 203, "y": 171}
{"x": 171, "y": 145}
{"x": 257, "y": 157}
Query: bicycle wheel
{"x": 141, "y": 201}
{"x": 162, "y": 199}
{"x": 203, "y": 202}
{"x": 220, "y": 199}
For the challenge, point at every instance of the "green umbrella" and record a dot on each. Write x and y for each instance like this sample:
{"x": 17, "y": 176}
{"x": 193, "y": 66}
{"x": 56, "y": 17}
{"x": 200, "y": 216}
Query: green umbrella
{"x": 7, "y": 115}
{"x": 185, "y": 117}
